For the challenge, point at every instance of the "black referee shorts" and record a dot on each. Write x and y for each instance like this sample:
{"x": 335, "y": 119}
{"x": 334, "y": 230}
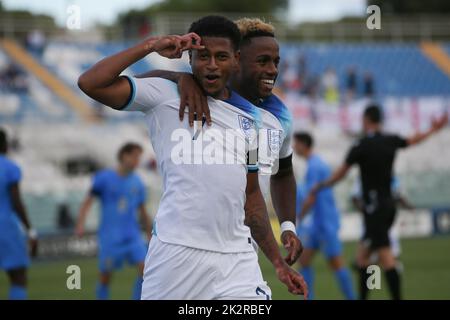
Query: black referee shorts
{"x": 377, "y": 224}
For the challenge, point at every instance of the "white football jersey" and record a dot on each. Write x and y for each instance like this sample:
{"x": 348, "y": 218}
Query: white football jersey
{"x": 274, "y": 139}
{"x": 204, "y": 169}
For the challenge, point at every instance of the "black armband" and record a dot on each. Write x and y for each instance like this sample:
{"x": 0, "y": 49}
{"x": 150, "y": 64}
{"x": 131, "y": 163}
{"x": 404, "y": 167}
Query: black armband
{"x": 285, "y": 163}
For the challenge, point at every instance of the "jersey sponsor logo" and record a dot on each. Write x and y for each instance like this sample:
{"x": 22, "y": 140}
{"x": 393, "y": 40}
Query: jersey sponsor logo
{"x": 274, "y": 140}
{"x": 211, "y": 146}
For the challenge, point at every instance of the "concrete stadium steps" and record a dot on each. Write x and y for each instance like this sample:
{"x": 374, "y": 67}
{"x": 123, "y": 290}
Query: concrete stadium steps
{"x": 438, "y": 55}
{"x": 23, "y": 58}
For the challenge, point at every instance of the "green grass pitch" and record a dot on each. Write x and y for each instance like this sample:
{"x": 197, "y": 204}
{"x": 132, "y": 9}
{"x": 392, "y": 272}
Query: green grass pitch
{"x": 426, "y": 275}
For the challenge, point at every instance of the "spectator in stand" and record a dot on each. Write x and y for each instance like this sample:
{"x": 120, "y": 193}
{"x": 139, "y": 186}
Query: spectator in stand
{"x": 369, "y": 90}
{"x": 330, "y": 84}
{"x": 36, "y": 42}
{"x": 289, "y": 78}
{"x": 301, "y": 73}
{"x": 351, "y": 83}
{"x": 14, "y": 79}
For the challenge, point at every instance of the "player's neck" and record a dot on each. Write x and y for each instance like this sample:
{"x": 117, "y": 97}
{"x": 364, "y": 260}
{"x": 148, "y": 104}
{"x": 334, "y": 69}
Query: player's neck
{"x": 373, "y": 130}
{"x": 246, "y": 94}
{"x": 223, "y": 95}
{"x": 122, "y": 171}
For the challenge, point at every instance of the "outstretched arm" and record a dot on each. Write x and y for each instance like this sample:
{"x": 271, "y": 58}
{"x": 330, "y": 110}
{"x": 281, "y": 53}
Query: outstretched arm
{"x": 436, "y": 126}
{"x": 103, "y": 83}
{"x": 257, "y": 219}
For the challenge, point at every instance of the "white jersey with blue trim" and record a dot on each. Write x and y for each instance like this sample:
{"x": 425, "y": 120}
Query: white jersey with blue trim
{"x": 274, "y": 139}
{"x": 204, "y": 169}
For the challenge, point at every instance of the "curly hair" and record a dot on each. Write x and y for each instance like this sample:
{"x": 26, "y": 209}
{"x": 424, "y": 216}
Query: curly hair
{"x": 254, "y": 27}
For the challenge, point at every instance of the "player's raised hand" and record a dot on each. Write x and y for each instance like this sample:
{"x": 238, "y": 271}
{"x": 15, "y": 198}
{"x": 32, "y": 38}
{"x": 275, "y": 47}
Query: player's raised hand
{"x": 438, "y": 124}
{"x": 191, "y": 41}
{"x": 293, "y": 245}
{"x": 293, "y": 280}
{"x": 192, "y": 97}
{"x": 172, "y": 47}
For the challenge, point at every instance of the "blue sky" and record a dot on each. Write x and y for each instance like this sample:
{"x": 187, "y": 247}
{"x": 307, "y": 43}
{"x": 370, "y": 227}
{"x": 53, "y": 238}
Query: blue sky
{"x": 106, "y": 10}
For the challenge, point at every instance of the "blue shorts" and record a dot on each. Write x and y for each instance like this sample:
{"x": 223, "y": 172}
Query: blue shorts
{"x": 321, "y": 239}
{"x": 113, "y": 256}
{"x": 13, "y": 247}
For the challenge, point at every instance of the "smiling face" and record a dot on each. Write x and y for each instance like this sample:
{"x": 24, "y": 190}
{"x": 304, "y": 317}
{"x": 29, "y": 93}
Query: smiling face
{"x": 213, "y": 66}
{"x": 258, "y": 68}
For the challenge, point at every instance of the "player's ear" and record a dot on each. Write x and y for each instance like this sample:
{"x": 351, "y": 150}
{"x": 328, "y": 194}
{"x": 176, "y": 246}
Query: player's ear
{"x": 237, "y": 58}
{"x": 237, "y": 55}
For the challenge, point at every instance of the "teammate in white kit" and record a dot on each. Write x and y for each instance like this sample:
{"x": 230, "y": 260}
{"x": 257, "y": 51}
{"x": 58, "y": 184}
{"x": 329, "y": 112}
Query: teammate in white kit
{"x": 201, "y": 248}
{"x": 254, "y": 81}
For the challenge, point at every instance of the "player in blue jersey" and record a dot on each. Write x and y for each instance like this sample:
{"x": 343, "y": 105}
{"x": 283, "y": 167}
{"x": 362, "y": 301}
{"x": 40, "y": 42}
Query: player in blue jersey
{"x": 122, "y": 196}
{"x": 322, "y": 231}
{"x": 13, "y": 246}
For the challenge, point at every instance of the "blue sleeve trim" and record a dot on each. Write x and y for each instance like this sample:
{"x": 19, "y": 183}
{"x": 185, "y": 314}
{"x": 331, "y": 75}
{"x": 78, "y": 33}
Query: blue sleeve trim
{"x": 252, "y": 169}
{"x": 132, "y": 93}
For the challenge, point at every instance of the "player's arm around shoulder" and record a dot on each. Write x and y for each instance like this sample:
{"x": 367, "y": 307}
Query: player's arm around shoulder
{"x": 191, "y": 94}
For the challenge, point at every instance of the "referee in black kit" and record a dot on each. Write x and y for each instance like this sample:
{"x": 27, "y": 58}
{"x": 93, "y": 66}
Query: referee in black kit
{"x": 375, "y": 154}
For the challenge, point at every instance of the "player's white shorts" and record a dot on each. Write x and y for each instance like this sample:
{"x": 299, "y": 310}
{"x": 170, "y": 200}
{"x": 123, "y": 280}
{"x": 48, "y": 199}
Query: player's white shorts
{"x": 182, "y": 273}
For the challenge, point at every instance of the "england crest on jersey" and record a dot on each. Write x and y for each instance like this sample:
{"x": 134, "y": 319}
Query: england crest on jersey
{"x": 247, "y": 125}
{"x": 274, "y": 140}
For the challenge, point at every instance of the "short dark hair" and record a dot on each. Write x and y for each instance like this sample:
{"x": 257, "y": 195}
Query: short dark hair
{"x": 128, "y": 147}
{"x": 305, "y": 138}
{"x": 3, "y": 141}
{"x": 373, "y": 113}
{"x": 217, "y": 26}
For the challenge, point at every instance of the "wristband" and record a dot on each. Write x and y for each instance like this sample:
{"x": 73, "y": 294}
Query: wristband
{"x": 288, "y": 226}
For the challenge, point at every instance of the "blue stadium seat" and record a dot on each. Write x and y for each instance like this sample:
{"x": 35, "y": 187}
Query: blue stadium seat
{"x": 398, "y": 69}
